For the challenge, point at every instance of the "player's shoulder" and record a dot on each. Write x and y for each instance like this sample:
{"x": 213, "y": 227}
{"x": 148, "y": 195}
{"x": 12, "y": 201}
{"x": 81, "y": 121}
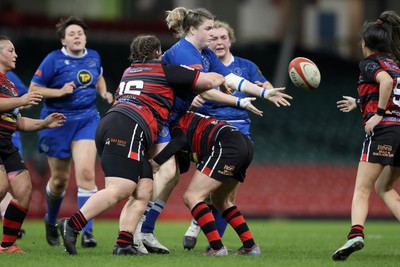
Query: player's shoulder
{"x": 92, "y": 52}
{"x": 244, "y": 61}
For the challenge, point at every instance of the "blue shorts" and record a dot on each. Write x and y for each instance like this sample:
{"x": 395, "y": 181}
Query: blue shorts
{"x": 164, "y": 136}
{"x": 56, "y": 142}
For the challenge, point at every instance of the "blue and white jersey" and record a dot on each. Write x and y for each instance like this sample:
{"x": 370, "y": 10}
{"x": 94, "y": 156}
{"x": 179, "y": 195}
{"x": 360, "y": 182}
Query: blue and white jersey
{"x": 185, "y": 53}
{"x": 59, "y": 68}
{"x": 245, "y": 69}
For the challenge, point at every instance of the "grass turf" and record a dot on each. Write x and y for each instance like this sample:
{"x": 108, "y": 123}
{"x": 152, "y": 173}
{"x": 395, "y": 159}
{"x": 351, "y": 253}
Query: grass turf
{"x": 282, "y": 242}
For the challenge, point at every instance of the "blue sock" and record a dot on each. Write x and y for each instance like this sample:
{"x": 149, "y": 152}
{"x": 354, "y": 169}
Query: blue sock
{"x": 152, "y": 215}
{"x": 149, "y": 205}
{"x": 53, "y": 206}
{"x": 219, "y": 220}
{"x": 83, "y": 196}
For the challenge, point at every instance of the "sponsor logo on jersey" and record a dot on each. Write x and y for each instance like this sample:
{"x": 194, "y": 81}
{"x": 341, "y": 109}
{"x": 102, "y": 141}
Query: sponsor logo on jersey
{"x": 116, "y": 141}
{"x": 228, "y": 170}
{"x": 84, "y": 77}
{"x": 384, "y": 151}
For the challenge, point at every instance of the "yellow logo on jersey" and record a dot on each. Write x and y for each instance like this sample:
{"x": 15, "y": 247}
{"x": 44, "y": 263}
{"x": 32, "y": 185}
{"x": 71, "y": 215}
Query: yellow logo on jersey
{"x": 84, "y": 77}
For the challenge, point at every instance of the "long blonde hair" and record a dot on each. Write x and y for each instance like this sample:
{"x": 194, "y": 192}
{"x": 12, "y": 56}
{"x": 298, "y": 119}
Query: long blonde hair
{"x": 181, "y": 19}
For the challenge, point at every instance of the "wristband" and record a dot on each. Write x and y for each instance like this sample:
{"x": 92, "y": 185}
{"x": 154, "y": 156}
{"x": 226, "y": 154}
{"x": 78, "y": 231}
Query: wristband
{"x": 380, "y": 111}
{"x": 238, "y": 102}
{"x": 263, "y": 93}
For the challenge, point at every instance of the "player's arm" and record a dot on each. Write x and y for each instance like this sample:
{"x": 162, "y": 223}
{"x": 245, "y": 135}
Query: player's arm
{"x": 209, "y": 93}
{"x": 67, "y": 89}
{"x": 9, "y": 103}
{"x": 26, "y": 124}
{"x": 385, "y": 82}
{"x": 178, "y": 142}
{"x": 102, "y": 90}
{"x": 207, "y": 81}
{"x": 218, "y": 96}
{"x": 242, "y": 85}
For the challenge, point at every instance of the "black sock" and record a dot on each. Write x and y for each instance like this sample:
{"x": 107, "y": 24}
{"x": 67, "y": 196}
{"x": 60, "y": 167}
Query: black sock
{"x": 124, "y": 239}
{"x": 77, "y": 221}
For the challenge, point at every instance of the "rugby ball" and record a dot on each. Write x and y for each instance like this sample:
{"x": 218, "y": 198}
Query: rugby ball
{"x": 304, "y": 73}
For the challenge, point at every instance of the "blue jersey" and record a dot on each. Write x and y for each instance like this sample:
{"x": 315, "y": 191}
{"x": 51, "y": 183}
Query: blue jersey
{"x": 59, "y": 68}
{"x": 245, "y": 69}
{"x": 185, "y": 53}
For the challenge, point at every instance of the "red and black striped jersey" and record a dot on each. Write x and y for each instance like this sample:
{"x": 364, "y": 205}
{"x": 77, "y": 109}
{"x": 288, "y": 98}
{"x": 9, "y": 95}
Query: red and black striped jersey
{"x": 368, "y": 88}
{"x": 147, "y": 90}
{"x": 201, "y": 132}
{"x": 9, "y": 118}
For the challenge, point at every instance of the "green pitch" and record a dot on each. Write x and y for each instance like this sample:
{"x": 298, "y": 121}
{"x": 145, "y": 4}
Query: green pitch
{"x": 282, "y": 242}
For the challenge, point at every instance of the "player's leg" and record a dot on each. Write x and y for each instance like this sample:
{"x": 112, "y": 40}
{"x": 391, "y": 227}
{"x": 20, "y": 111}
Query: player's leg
{"x": 222, "y": 200}
{"x": 194, "y": 197}
{"x": 55, "y": 192}
{"x": 367, "y": 175}
{"x": 165, "y": 181}
{"x": 21, "y": 190}
{"x": 130, "y": 216}
{"x": 56, "y": 143}
{"x": 116, "y": 190}
{"x": 3, "y": 206}
{"x": 84, "y": 156}
{"x": 384, "y": 187}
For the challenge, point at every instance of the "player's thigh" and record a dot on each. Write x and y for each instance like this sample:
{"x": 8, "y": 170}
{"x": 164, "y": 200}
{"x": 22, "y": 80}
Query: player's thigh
{"x": 200, "y": 187}
{"x": 84, "y": 156}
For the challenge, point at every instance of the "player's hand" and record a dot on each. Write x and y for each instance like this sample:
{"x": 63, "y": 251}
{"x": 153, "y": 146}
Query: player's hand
{"x": 54, "y": 120}
{"x": 371, "y": 123}
{"x": 68, "y": 88}
{"x": 275, "y": 96}
{"x": 197, "y": 102}
{"x": 224, "y": 88}
{"x": 246, "y": 104}
{"x": 347, "y": 104}
{"x": 108, "y": 97}
{"x": 31, "y": 98}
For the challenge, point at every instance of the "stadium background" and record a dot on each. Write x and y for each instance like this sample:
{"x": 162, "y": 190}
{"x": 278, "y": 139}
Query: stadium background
{"x": 305, "y": 156}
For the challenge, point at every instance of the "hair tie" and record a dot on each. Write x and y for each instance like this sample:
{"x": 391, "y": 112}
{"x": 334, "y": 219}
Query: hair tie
{"x": 379, "y": 22}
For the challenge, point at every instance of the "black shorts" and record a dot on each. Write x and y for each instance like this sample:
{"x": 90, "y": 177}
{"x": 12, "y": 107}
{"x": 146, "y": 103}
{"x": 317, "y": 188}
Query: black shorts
{"x": 121, "y": 146}
{"x": 383, "y": 146}
{"x": 230, "y": 157}
{"x": 10, "y": 157}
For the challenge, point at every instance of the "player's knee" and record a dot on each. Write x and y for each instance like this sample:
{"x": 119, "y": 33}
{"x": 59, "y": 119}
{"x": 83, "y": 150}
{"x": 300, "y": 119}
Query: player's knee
{"x": 187, "y": 198}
